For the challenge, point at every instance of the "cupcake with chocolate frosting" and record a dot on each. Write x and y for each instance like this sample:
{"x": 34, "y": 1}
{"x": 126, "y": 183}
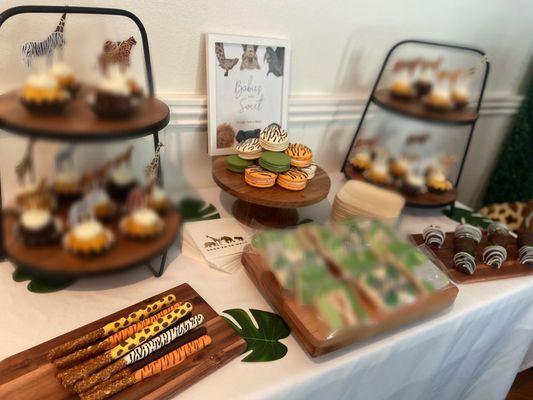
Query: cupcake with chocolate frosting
{"x": 38, "y": 227}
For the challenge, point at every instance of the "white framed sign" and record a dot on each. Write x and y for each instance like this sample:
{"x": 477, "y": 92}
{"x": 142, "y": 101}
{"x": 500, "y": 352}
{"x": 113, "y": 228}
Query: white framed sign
{"x": 248, "y": 86}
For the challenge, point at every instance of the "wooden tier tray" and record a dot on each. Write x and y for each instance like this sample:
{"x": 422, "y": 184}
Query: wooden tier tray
{"x": 271, "y": 207}
{"x": 78, "y": 122}
{"x": 28, "y": 375}
{"x": 312, "y": 334}
{"x": 54, "y": 259}
{"x": 426, "y": 200}
{"x": 511, "y": 268}
{"x": 415, "y": 109}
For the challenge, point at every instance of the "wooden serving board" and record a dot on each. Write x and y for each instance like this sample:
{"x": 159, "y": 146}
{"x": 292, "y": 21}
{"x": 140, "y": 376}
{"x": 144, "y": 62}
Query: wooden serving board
{"x": 510, "y": 268}
{"x": 313, "y": 334}
{"x": 29, "y": 375}
{"x": 426, "y": 200}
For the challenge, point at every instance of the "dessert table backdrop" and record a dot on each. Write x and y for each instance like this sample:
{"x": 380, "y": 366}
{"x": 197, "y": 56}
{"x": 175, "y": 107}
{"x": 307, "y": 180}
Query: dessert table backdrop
{"x": 471, "y": 351}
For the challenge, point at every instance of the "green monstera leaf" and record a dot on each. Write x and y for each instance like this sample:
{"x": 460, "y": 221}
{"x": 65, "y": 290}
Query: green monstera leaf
{"x": 470, "y": 217}
{"x": 196, "y": 210}
{"x": 39, "y": 284}
{"x": 262, "y": 340}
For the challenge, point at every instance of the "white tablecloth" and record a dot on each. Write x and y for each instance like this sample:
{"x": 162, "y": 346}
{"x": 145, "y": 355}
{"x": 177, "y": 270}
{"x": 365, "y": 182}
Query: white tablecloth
{"x": 471, "y": 351}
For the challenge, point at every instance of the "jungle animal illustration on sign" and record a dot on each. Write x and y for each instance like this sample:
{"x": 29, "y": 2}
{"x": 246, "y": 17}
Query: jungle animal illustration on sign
{"x": 116, "y": 53}
{"x": 225, "y": 63}
{"x": 274, "y": 58}
{"x": 249, "y": 57}
{"x": 221, "y": 240}
{"x": 45, "y": 47}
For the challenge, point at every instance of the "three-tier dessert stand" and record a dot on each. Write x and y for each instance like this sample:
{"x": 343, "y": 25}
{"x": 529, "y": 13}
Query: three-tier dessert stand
{"x": 466, "y": 117}
{"x": 78, "y": 124}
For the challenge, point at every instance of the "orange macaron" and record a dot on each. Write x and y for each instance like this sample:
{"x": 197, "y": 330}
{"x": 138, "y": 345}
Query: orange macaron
{"x": 301, "y": 156}
{"x": 258, "y": 177}
{"x": 293, "y": 179}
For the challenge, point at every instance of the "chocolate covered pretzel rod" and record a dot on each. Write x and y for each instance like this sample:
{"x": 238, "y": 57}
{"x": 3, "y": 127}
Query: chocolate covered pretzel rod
{"x": 110, "y": 341}
{"x": 112, "y": 327}
{"x": 498, "y": 239}
{"x": 70, "y": 376}
{"x": 164, "y": 363}
{"x": 166, "y": 340}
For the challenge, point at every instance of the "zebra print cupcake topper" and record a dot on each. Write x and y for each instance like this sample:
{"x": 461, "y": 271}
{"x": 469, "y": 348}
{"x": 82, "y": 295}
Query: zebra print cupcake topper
{"x": 45, "y": 47}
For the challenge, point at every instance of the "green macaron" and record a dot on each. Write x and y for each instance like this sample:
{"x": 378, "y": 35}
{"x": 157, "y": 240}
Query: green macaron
{"x": 275, "y": 161}
{"x": 236, "y": 164}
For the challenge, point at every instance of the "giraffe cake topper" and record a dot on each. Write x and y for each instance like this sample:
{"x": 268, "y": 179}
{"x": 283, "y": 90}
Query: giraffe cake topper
{"x": 116, "y": 53}
{"x": 46, "y": 47}
{"x": 25, "y": 167}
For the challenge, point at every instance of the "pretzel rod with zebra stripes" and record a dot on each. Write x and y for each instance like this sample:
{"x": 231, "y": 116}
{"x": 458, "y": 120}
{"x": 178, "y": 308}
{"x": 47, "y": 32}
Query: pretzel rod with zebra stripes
{"x": 110, "y": 341}
{"x": 166, "y": 341}
{"x": 111, "y": 327}
{"x": 81, "y": 371}
{"x": 164, "y": 363}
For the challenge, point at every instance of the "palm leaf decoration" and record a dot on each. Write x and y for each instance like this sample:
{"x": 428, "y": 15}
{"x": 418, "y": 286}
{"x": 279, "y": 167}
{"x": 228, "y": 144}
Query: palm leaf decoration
{"x": 263, "y": 341}
{"x": 39, "y": 284}
{"x": 470, "y": 217}
{"x": 196, "y": 210}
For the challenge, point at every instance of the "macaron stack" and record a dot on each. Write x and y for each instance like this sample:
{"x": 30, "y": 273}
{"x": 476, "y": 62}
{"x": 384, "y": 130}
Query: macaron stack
{"x": 274, "y": 155}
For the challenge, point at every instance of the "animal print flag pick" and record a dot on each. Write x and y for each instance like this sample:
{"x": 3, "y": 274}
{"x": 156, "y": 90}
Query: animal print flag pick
{"x": 46, "y": 47}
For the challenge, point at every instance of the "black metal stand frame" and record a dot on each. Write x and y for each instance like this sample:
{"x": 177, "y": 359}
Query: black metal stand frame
{"x": 472, "y": 124}
{"x": 4, "y": 16}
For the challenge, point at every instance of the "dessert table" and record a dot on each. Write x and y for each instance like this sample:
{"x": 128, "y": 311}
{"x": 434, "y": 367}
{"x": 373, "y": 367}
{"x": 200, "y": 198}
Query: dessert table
{"x": 471, "y": 351}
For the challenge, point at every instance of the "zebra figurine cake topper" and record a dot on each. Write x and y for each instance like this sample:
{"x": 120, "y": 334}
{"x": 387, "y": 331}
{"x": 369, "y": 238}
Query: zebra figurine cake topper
{"x": 46, "y": 47}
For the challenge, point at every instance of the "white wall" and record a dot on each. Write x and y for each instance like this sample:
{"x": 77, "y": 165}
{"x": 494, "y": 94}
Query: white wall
{"x": 338, "y": 47}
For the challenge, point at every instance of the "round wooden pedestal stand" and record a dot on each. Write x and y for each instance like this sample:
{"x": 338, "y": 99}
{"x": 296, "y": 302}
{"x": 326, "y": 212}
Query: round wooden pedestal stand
{"x": 273, "y": 207}
{"x": 423, "y": 200}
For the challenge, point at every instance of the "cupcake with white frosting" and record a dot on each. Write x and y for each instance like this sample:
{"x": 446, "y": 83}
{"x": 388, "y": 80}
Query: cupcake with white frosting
{"x": 38, "y": 227}
{"x": 158, "y": 199}
{"x": 115, "y": 96}
{"x": 88, "y": 238}
{"x": 64, "y": 76}
{"x": 120, "y": 183}
{"x": 43, "y": 95}
{"x": 67, "y": 186}
{"x": 142, "y": 223}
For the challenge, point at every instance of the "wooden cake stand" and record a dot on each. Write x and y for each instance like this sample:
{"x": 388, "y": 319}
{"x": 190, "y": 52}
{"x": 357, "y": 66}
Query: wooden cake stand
{"x": 55, "y": 260}
{"x": 273, "y": 207}
{"x": 425, "y": 200}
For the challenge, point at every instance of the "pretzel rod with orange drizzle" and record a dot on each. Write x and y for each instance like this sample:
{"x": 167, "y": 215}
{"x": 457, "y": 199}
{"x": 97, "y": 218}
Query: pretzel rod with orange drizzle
{"x": 164, "y": 363}
{"x": 111, "y": 341}
{"x": 111, "y": 327}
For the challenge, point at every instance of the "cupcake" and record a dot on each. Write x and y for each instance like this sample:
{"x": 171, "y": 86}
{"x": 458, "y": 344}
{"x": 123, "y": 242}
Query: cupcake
{"x": 64, "y": 76}
{"x": 440, "y": 98}
{"x": 460, "y": 90}
{"x": 104, "y": 208}
{"x": 424, "y": 80}
{"x": 38, "y": 227}
{"x": 158, "y": 199}
{"x": 43, "y": 95}
{"x": 362, "y": 161}
{"x": 413, "y": 184}
{"x": 401, "y": 87}
{"x": 88, "y": 238}
{"x": 67, "y": 186}
{"x": 121, "y": 181}
{"x": 437, "y": 183}
{"x": 398, "y": 167}
{"x": 115, "y": 97}
{"x": 142, "y": 223}
{"x": 378, "y": 174}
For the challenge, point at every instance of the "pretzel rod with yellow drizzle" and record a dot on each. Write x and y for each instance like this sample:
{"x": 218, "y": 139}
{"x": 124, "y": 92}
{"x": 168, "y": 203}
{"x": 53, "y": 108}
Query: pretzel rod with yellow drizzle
{"x": 111, "y": 341}
{"x": 111, "y": 327}
{"x": 162, "y": 364}
{"x": 70, "y": 376}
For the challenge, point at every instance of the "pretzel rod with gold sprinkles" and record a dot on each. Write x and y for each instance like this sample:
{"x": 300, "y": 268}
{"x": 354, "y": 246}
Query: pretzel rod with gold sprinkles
{"x": 110, "y": 341}
{"x": 148, "y": 352}
{"x": 111, "y": 327}
{"x": 164, "y": 363}
{"x": 70, "y": 376}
